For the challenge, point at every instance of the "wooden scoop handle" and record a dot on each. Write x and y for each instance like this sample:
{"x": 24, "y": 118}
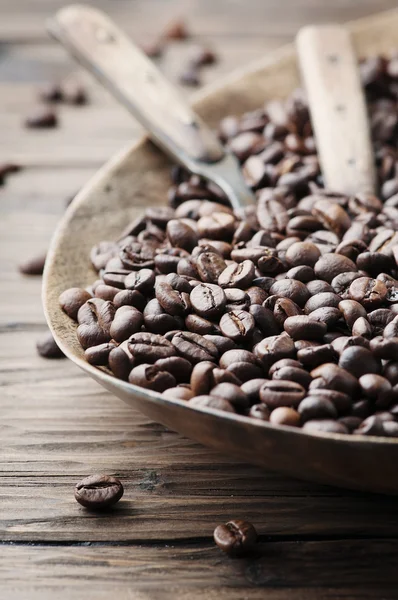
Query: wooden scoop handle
{"x": 337, "y": 107}
{"x": 102, "y": 48}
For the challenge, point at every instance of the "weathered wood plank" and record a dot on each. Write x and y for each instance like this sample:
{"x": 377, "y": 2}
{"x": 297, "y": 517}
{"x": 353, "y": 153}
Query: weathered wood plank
{"x": 362, "y": 569}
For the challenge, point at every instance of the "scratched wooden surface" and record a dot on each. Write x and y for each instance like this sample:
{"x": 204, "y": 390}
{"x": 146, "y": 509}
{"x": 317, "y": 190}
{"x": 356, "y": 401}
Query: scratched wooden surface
{"x": 58, "y": 426}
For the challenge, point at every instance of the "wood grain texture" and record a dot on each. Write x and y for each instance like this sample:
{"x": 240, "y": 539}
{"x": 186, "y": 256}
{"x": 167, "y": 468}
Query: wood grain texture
{"x": 57, "y": 425}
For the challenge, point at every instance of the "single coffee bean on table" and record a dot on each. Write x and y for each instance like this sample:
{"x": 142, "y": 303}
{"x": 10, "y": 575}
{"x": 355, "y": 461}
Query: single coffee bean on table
{"x": 235, "y": 538}
{"x": 286, "y": 314}
{"x": 98, "y": 492}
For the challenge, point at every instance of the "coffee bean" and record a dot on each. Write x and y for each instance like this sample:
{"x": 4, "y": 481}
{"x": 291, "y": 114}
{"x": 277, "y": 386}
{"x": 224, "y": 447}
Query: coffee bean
{"x": 43, "y": 117}
{"x": 321, "y": 300}
{"x": 208, "y": 300}
{"x": 298, "y": 375}
{"x": 179, "y": 367}
{"x": 332, "y": 216}
{"x": 369, "y": 292}
{"x": 181, "y": 235}
{"x": 33, "y": 265}
{"x": 178, "y": 393}
{"x": 237, "y": 325}
{"x": 359, "y": 361}
{"x": 221, "y": 343}
{"x": 377, "y": 388}
{"x": 121, "y": 361}
{"x": 303, "y": 327}
{"x": 245, "y": 371}
{"x": 314, "y": 356}
{"x": 129, "y": 298}
{"x": 236, "y": 299}
{"x": 233, "y": 393}
{"x": 302, "y": 253}
{"x": 95, "y": 318}
{"x": 351, "y": 311}
{"x": 210, "y": 266}
{"x": 335, "y": 378}
{"x": 98, "y": 492}
{"x": 235, "y": 538}
{"x": 328, "y": 266}
{"x": 342, "y": 402}
{"x": 284, "y": 308}
{"x": 370, "y": 426}
{"x": 157, "y": 320}
{"x": 127, "y": 320}
{"x": 252, "y": 388}
{"x": 151, "y": 377}
{"x": 172, "y": 301}
{"x": 285, "y": 415}
{"x": 314, "y": 407}
{"x": 99, "y": 355}
{"x": 142, "y": 280}
{"x": 317, "y": 286}
{"x": 324, "y": 426}
{"x": 291, "y": 289}
{"x": 47, "y": 346}
{"x": 259, "y": 411}
{"x": 194, "y": 347}
{"x": 281, "y": 393}
{"x": 384, "y": 348}
{"x": 72, "y": 299}
{"x": 390, "y": 372}
{"x": 274, "y": 348}
{"x": 149, "y": 347}
{"x": 237, "y": 275}
{"x": 341, "y": 284}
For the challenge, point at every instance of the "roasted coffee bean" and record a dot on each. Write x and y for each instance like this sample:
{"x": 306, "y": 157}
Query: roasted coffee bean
{"x": 303, "y": 274}
{"x": 105, "y": 292}
{"x": 210, "y": 266}
{"x": 379, "y": 319}
{"x": 129, "y": 298}
{"x": 181, "y": 235}
{"x": 274, "y": 348}
{"x": 127, "y": 320}
{"x": 302, "y": 253}
{"x": 237, "y": 325}
{"x": 208, "y": 300}
{"x": 235, "y": 538}
{"x": 318, "y": 286}
{"x": 218, "y": 225}
{"x": 245, "y": 371}
{"x": 358, "y": 361}
{"x": 369, "y": 292}
{"x": 285, "y": 415}
{"x": 222, "y": 343}
{"x": 342, "y": 342}
{"x": 157, "y": 320}
{"x": 291, "y": 289}
{"x": 342, "y": 402}
{"x": 284, "y": 308}
{"x": 252, "y": 389}
{"x": 151, "y": 377}
{"x": 335, "y": 378}
{"x": 384, "y": 348}
{"x": 72, "y": 299}
{"x": 95, "y": 318}
{"x": 172, "y": 301}
{"x": 233, "y": 393}
{"x": 99, "y": 355}
{"x": 298, "y": 375}
{"x": 264, "y": 319}
{"x": 179, "y": 367}
{"x": 256, "y": 295}
{"x": 371, "y": 426}
{"x": 33, "y": 265}
{"x": 212, "y": 402}
{"x": 374, "y": 263}
{"x": 332, "y": 216}
{"x": 303, "y": 327}
{"x": 178, "y": 393}
{"x": 237, "y": 275}
{"x": 98, "y": 492}
{"x": 341, "y": 284}
{"x": 350, "y": 422}
{"x": 121, "y": 361}
{"x": 321, "y": 300}
{"x": 200, "y": 325}
{"x": 351, "y": 311}
{"x": 194, "y": 347}
{"x": 142, "y": 280}
{"x": 43, "y": 117}
{"x": 259, "y": 411}
{"x": 47, "y": 347}
{"x": 314, "y": 407}
{"x": 277, "y": 393}
{"x": 390, "y": 372}
{"x": 149, "y": 347}
{"x": 236, "y": 299}
{"x": 317, "y": 355}
{"x": 328, "y": 266}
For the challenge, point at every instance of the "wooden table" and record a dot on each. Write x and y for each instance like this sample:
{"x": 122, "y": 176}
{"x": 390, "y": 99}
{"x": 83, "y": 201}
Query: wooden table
{"x": 58, "y": 426}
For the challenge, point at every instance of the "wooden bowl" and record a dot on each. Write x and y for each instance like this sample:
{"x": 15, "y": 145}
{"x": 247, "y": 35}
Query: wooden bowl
{"x": 139, "y": 176}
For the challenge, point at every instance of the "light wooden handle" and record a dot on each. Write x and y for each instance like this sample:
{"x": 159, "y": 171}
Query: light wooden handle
{"x": 337, "y": 107}
{"x": 109, "y": 54}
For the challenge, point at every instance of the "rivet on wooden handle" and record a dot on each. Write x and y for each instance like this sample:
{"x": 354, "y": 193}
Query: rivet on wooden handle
{"x": 338, "y": 110}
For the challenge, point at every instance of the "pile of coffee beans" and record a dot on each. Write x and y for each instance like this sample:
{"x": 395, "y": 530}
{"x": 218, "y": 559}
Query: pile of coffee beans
{"x": 288, "y": 314}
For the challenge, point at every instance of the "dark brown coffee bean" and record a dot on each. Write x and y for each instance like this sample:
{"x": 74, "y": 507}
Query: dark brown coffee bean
{"x": 350, "y": 422}
{"x": 129, "y": 298}
{"x": 369, "y": 292}
{"x": 176, "y": 365}
{"x": 264, "y": 319}
{"x": 236, "y": 355}
{"x": 252, "y": 388}
{"x": 142, "y": 280}
{"x": 374, "y": 263}
{"x": 318, "y": 286}
{"x": 47, "y": 346}
{"x": 222, "y": 343}
{"x": 99, "y": 355}
{"x": 324, "y": 299}
{"x": 217, "y": 226}
{"x": 390, "y": 372}
{"x": 95, "y": 318}
{"x": 302, "y": 253}
{"x": 351, "y": 311}
{"x": 202, "y": 379}
{"x": 72, "y": 299}
{"x": 127, "y": 320}
{"x": 208, "y": 300}
{"x": 351, "y": 249}
{"x": 370, "y": 426}
{"x": 210, "y": 266}
{"x": 237, "y": 275}
{"x": 105, "y": 292}
{"x": 237, "y": 325}
{"x": 200, "y": 325}
{"x": 285, "y": 415}
{"x": 332, "y": 216}
{"x": 359, "y": 361}
{"x": 98, "y": 492}
{"x": 390, "y": 428}
{"x": 284, "y": 308}
{"x": 181, "y": 235}
{"x": 172, "y": 301}
{"x": 235, "y": 538}
{"x": 212, "y": 402}
{"x": 259, "y": 411}
{"x": 121, "y": 361}
{"x": 149, "y": 347}
{"x": 245, "y": 371}
{"x": 277, "y": 393}
{"x": 274, "y": 348}
{"x": 330, "y": 265}
{"x": 303, "y": 274}
{"x": 194, "y": 347}
{"x": 157, "y": 320}
{"x": 342, "y": 402}
{"x": 303, "y": 327}
{"x": 314, "y": 407}
{"x": 233, "y": 394}
{"x": 151, "y": 377}
{"x": 236, "y": 299}
{"x": 379, "y": 319}
{"x": 245, "y": 144}
{"x": 178, "y": 393}
{"x": 324, "y": 426}
{"x": 335, "y": 378}
{"x": 314, "y": 356}
{"x": 33, "y": 265}
{"x": 341, "y": 284}
{"x": 291, "y": 289}
{"x": 384, "y": 348}
{"x": 44, "y": 117}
